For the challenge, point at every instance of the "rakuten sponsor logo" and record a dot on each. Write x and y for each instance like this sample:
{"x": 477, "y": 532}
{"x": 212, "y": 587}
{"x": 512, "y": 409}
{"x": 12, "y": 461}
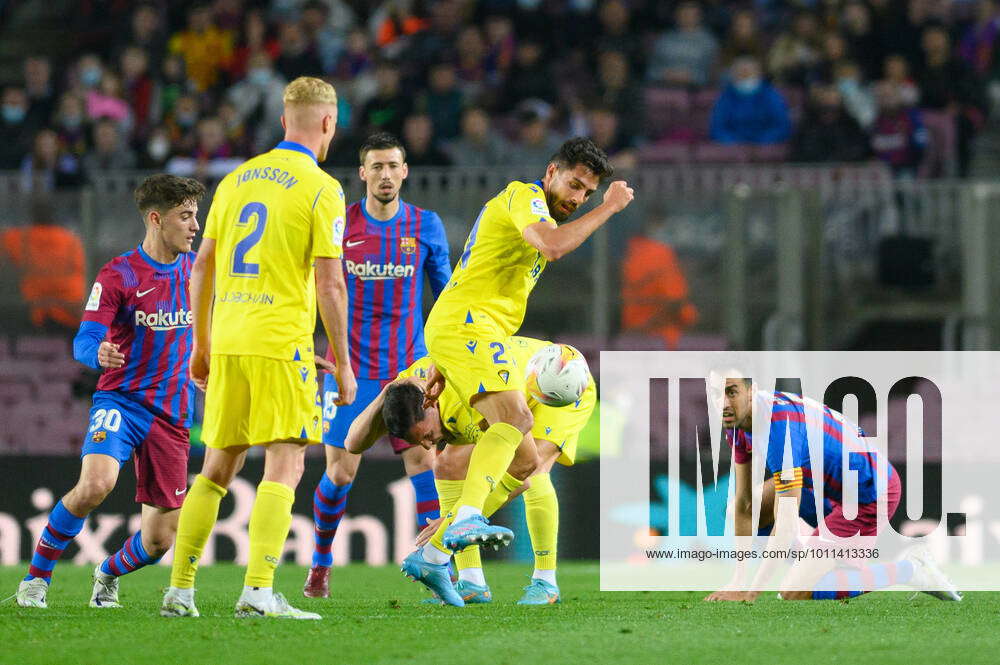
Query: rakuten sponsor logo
{"x": 369, "y": 270}
{"x": 160, "y": 320}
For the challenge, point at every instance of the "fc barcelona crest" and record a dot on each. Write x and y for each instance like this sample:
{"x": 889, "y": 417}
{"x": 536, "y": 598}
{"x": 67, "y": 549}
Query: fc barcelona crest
{"x": 99, "y": 436}
{"x": 408, "y": 245}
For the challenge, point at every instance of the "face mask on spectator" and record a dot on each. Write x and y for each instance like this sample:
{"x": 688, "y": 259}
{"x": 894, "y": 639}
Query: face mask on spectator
{"x": 72, "y": 121}
{"x": 158, "y": 148}
{"x": 90, "y": 76}
{"x": 187, "y": 120}
{"x": 259, "y": 76}
{"x": 847, "y": 86}
{"x": 747, "y": 86}
{"x": 13, "y": 114}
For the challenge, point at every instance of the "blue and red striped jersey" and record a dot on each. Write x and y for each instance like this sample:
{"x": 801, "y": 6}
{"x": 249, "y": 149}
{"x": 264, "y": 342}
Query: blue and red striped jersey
{"x": 789, "y": 414}
{"x": 384, "y": 265}
{"x": 145, "y": 309}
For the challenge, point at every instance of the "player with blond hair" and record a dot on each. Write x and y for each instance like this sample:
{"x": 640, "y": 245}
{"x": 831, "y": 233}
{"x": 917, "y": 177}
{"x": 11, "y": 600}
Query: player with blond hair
{"x": 272, "y": 250}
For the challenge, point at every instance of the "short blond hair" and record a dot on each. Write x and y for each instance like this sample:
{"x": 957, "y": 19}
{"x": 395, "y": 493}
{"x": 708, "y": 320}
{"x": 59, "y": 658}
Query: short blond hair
{"x": 306, "y": 90}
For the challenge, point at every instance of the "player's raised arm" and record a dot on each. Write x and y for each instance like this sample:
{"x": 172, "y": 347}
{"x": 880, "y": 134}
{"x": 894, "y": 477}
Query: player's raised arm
{"x": 202, "y": 291}
{"x": 555, "y": 242}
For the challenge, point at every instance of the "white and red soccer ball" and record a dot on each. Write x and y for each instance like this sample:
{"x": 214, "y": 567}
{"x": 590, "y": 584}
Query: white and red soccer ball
{"x": 557, "y": 375}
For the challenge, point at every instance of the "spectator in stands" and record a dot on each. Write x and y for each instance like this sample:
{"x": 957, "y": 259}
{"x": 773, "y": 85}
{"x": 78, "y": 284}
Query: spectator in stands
{"x": 206, "y": 49}
{"x": 743, "y": 39}
{"x": 749, "y": 110}
{"x": 146, "y": 33}
{"x": 858, "y": 100}
{"x": 472, "y": 63}
{"x": 392, "y": 23}
{"x": 212, "y": 157}
{"x": 356, "y": 58}
{"x": 49, "y": 263}
{"x": 529, "y": 78}
{"x": 254, "y": 38}
{"x": 796, "y": 52}
{"x": 38, "y": 86}
{"x": 181, "y": 123}
{"x": 948, "y": 84}
{"x": 863, "y": 45}
{"x": 686, "y": 55}
{"x": 237, "y": 135}
{"x": 326, "y": 37}
{"x": 617, "y": 34}
{"x": 87, "y": 73}
{"x": 616, "y": 90}
{"x": 603, "y": 128}
{"x": 443, "y": 101}
{"x": 654, "y": 291}
{"x": 418, "y": 137}
{"x": 139, "y": 89}
{"x": 173, "y": 83}
{"x": 14, "y": 127}
{"x": 258, "y": 100}
{"x": 71, "y": 125}
{"x": 500, "y": 45}
{"x": 536, "y": 143}
{"x": 898, "y": 136}
{"x": 478, "y": 144}
{"x": 107, "y": 102}
{"x": 109, "y": 153}
{"x": 905, "y": 34}
{"x": 47, "y": 168}
{"x": 979, "y": 42}
{"x": 157, "y": 151}
{"x": 896, "y": 70}
{"x": 828, "y": 133}
{"x": 834, "y": 52}
{"x": 298, "y": 57}
{"x": 387, "y": 109}
{"x": 435, "y": 38}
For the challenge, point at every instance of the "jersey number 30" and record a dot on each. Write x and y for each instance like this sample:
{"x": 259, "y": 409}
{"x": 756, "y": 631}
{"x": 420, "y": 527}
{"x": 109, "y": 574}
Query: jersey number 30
{"x": 240, "y": 267}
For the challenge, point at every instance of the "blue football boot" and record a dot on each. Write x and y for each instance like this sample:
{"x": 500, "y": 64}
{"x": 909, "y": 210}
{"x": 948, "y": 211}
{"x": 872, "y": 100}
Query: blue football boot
{"x": 473, "y": 594}
{"x": 476, "y": 530}
{"x": 539, "y": 592}
{"x": 434, "y": 576}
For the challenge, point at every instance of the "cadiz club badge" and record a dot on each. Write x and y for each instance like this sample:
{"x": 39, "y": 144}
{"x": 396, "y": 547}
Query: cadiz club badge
{"x": 408, "y": 245}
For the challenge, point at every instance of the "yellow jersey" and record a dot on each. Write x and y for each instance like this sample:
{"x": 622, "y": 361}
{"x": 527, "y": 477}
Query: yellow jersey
{"x": 459, "y": 421}
{"x": 498, "y": 268}
{"x": 270, "y": 218}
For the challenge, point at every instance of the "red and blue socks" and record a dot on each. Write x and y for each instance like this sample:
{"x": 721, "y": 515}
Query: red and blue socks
{"x": 852, "y": 582}
{"x": 131, "y": 557}
{"x": 428, "y": 507}
{"x": 329, "y": 503}
{"x": 62, "y": 528}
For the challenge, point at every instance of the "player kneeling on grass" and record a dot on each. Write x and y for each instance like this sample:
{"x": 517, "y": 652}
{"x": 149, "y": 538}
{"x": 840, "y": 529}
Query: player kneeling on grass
{"x": 402, "y": 410}
{"x": 137, "y": 329}
{"x": 810, "y": 578}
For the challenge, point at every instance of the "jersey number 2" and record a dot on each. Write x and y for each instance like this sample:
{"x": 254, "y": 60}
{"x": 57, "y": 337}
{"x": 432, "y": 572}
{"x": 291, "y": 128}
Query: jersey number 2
{"x": 240, "y": 267}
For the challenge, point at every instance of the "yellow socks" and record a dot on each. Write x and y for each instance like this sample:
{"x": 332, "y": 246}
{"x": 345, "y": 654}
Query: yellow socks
{"x": 469, "y": 557}
{"x": 541, "y": 508}
{"x": 490, "y": 459}
{"x": 269, "y": 524}
{"x": 194, "y": 526}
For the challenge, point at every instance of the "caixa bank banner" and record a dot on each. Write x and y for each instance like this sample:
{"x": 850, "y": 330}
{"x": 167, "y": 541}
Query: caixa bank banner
{"x": 379, "y": 527}
{"x": 798, "y": 471}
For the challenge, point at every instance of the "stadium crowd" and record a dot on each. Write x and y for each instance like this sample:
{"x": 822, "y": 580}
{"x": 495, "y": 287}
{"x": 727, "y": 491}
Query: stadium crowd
{"x": 194, "y": 88}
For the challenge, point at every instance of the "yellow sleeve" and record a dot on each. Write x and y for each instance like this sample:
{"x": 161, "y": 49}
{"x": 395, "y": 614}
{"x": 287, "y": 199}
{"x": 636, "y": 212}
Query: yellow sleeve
{"x": 527, "y": 206}
{"x": 329, "y": 218}
{"x": 417, "y": 369}
{"x": 795, "y": 483}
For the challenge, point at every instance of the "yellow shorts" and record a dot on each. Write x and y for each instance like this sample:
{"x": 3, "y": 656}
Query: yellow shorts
{"x": 562, "y": 424}
{"x": 474, "y": 359}
{"x": 253, "y": 400}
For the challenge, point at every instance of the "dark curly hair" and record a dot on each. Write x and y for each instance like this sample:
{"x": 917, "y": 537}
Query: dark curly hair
{"x": 380, "y": 141}
{"x": 161, "y": 192}
{"x": 581, "y": 150}
{"x": 402, "y": 406}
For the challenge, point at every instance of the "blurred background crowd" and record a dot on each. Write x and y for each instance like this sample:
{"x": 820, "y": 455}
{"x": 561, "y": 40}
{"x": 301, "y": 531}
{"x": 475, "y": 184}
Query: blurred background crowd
{"x": 192, "y": 87}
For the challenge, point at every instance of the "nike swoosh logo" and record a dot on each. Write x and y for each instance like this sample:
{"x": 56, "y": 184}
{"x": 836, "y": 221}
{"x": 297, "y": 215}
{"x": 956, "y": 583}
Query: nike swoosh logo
{"x": 354, "y": 243}
{"x": 139, "y": 294}
{"x": 179, "y": 492}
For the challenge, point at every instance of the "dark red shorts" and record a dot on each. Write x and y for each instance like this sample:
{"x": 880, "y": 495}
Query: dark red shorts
{"x": 867, "y": 519}
{"x": 161, "y": 465}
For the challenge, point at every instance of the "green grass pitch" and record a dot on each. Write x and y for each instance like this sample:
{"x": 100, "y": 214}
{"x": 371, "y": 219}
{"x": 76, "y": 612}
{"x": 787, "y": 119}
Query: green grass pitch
{"x": 375, "y": 616}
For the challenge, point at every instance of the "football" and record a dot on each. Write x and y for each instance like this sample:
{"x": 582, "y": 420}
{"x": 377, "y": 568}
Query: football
{"x": 557, "y": 375}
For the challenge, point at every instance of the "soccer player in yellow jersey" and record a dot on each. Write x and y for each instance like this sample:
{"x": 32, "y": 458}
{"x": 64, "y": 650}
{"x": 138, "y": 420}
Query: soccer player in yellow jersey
{"x": 399, "y": 410}
{"x": 469, "y": 329}
{"x": 272, "y": 250}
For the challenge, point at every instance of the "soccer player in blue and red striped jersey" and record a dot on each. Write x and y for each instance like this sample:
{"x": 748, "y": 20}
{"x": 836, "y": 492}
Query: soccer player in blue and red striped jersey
{"x": 389, "y": 246}
{"x": 829, "y": 579}
{"x": 137, "y": 329}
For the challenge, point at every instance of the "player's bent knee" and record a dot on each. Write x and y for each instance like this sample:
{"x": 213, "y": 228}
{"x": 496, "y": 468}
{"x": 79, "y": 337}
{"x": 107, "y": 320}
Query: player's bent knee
{"x": 92, "y": 491}
{"x": 339, "y": 475}
{"x": 523, "y": 465}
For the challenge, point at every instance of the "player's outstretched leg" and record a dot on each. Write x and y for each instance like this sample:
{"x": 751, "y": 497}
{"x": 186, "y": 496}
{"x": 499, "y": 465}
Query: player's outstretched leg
{"x": 435, "y": 575}
{"x": 269, "y": 523}
{"x": 541, "y": 509}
